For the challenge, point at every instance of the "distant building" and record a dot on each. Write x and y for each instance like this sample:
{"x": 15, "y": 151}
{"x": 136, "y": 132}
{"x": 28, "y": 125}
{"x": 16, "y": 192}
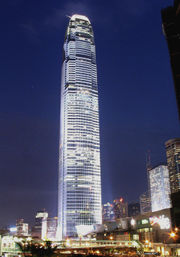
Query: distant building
{"x": 108, "y": 212}
{"x": 145, "y": 203}
{"x": 120, "y": 208}
{"x": 40, "y": 228}
{"x": 133, "y": 209}
{"x": 173, "y": 162}
{"x": 22, "y": 228}
{"x": 51, "y": 228}
{"x": 171, "y": 28}
{"x": 159, "y": 188}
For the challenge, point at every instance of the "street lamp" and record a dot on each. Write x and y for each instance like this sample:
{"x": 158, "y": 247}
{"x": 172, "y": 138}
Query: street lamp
{"x": 172, "y": 235}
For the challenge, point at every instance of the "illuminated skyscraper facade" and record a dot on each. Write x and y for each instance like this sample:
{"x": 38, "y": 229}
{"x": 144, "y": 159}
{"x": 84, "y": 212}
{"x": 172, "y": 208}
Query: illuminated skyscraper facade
{"x": 80, "y": 172}
{"x": 173, "y": 161}
{"x": 159, "y": 188}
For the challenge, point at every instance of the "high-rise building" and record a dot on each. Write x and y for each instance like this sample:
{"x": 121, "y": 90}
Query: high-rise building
{"x": 173, "y": 162}
{"x": 120, "y": 208}
{"x": 145, "y": 202}
{"x": 133, "y": 209}
{"x": 40, "y": 227}
{"x": 22, "y": 228}
{"x": 171, "y": 28}
{"x": 159, "y": 188}
{"x": 80, "y": 172}
{"x": 108, "y": 212}
{"x": 51, "y": 228}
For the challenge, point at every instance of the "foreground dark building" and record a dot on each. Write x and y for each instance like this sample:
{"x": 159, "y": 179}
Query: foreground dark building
{"x": 173, "y": 161}
{"x": 171, "y": 28}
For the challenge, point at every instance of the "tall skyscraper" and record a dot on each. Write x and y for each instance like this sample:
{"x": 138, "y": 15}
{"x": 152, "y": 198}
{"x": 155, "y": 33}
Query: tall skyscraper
{"x": 80, "y": 172}
{"x": 159, "y": 188}
{"x": 171, "y": 28}
{"x": 173, "y": 161}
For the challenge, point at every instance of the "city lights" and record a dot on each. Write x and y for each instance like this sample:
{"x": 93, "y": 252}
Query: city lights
{"x": 52, "y": 158}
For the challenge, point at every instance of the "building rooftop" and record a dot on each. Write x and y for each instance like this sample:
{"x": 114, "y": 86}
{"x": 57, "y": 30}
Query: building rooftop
{"x": 78, "y": 16}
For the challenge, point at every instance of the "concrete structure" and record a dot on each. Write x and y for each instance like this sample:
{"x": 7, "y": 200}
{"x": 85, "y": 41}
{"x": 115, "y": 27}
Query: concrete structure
{"x": 79, "y": 204}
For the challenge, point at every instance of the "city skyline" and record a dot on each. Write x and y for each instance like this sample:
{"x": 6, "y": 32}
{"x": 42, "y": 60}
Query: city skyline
{"x": 137, "y": 100}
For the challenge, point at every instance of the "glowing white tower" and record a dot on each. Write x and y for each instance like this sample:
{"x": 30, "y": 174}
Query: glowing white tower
{"x": 80, "y": 172}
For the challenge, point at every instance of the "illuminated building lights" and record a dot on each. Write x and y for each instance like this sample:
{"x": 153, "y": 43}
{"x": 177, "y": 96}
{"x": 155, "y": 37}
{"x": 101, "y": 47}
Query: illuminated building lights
{"x": 79, "y": 201}
{"x": 162, "y": 221}
{"x": 159, "y": 188}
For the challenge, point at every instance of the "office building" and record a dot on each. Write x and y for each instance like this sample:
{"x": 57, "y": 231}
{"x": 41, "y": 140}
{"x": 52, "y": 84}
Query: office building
{"x": 173, "y": 162}
{"x": 145, "y": 202}
{"x": 40, "y": 227}
{"x": 108, "y": 212}
{"x": 79, "y": 163}
{"x": 171, "y": 29}
{"x": 120, "y": 208}
{"x": 159, "y": 188}
{"x": 51, "y": 228}
{"x": 133, "y": 209}
{"x": 22, "y": 228}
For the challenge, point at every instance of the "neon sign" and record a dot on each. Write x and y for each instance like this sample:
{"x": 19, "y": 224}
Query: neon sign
{"x": 162, "y": 221}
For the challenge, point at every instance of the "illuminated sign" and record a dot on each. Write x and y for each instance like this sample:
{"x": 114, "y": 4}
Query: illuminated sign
{"x": 145, "y": 221}
{"x": 13, "y": 229}
{"x": 83, "y": 230}
{"x": 162, "y": 221}
{"x": 133, "y": 222}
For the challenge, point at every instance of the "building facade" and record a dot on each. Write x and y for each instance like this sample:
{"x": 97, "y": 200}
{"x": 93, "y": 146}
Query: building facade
{"x": 120, "y": 208}
{"x": 173, "y": 162}
{"x": 145, "y": 202}
{"x": 133, "y": 209}
{"x": 108, "y": 212}
{"x": 79, "y": 163}
{"x": 22, "y": 228}
{"x": 40, "y": 227}
{"x": 171, "y": 28}
{"x": 159, "y": 188}
{"x": 51, "y": 232}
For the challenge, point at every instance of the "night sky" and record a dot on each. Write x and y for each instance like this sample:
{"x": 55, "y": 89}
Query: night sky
{"x": 136, "y": 95}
